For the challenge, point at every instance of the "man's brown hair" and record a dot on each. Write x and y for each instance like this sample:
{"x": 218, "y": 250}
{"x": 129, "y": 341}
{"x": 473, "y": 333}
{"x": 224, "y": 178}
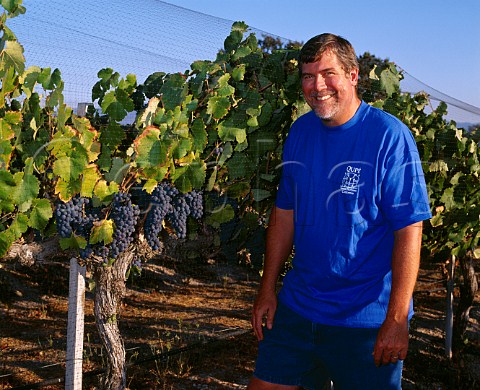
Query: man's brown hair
{"x": 315, "y": 47}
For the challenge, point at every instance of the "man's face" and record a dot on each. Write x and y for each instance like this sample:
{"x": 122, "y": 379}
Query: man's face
{"x": 329, "y": 91}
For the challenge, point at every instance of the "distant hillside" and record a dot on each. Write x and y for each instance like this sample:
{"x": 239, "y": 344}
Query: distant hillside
{"x": 467, "y": 125}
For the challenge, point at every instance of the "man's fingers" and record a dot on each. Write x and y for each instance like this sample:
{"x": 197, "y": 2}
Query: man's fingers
{"x": 257, "y": 321}
{"x": 383, "y": 357}
{"x": 257, "y": 325}
{"x": 269, "y": 320}
{"x": 259, "y": 317}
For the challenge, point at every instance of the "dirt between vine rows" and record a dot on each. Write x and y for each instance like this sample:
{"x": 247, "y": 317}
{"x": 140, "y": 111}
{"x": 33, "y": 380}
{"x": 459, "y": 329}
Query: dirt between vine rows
{"x": 202, "y": 307}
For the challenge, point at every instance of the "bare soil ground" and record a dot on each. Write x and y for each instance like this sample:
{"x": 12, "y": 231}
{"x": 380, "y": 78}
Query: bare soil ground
{"x": 186, "y": 325}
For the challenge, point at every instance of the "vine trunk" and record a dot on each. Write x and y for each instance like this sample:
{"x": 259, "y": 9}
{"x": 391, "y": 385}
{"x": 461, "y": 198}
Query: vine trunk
{"x": 110, "y": 288}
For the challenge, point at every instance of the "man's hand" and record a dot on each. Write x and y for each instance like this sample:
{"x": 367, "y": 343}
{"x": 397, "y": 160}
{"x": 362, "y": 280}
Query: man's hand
{"x": 263, "y": 309}
{"x": 392, "y": 342}
{"x": 278, "y": 247}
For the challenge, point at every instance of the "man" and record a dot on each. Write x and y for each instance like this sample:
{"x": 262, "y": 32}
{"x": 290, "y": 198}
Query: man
{"x": 351, "y": 202}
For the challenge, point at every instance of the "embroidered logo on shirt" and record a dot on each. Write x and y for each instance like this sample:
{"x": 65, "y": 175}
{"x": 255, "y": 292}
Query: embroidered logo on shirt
{"x": 350, "y": 180}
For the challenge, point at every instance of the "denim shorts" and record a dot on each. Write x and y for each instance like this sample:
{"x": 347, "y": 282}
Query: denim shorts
{"x": 299, "y": 352}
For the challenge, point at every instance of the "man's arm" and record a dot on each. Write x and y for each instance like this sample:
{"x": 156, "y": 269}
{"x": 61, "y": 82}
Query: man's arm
{"x": 392, "y": 339}
{"x": 279, "y": 244}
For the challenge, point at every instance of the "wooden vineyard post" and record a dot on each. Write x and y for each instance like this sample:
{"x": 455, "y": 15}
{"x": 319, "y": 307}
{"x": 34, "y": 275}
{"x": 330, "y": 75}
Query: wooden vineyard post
{"x": 449, "y": 318}
{"x": 75, "y": 326}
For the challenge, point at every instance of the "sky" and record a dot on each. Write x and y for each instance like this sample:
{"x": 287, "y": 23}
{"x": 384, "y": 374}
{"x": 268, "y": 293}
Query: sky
{"x": 436, "y": 41}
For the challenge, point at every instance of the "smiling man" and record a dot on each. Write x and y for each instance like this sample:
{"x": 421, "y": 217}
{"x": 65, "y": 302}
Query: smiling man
{"x": 351, "y": 200}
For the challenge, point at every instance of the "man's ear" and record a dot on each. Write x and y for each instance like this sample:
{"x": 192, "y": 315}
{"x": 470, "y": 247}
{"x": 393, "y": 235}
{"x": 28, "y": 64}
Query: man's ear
{"x": 353, "y": 75}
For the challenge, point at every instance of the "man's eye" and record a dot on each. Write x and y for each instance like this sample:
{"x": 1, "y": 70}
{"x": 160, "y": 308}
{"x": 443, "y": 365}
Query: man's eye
{"x": 307, "y": 76}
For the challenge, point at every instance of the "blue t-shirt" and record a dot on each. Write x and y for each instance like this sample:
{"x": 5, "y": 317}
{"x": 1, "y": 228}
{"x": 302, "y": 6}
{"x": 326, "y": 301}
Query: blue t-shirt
{"x": 350, "y": 187}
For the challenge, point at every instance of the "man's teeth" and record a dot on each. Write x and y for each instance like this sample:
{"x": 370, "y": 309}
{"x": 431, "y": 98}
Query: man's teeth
{"x": 321, "y": 98}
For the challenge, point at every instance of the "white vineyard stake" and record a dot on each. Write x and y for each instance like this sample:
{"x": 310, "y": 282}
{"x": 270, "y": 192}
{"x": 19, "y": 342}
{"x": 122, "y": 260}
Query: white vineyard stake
{"x": 75, "y": 325}
{"x": 449, "y": 319}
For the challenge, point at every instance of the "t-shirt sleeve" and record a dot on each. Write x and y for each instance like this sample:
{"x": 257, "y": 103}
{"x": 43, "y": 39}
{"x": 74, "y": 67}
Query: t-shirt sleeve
{"x": 404, "y": 191}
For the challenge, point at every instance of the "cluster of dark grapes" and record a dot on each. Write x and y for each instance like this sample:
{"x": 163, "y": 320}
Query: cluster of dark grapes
{"x": 178, "y": 216}
{"x": 77, "y": 216}
{"x": 125, "y": 216}
{"x": 159, "y": 207}
{"x": 69, "y": 216}
{"x": 195, "y": 202}
{"x": 167, "y": 203}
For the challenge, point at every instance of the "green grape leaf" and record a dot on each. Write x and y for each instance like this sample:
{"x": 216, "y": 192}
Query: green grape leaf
{"x": 220, "y": 215}
{"x": 239, "y": 190}
{"x": 227, "y": 153}
{"x": 174, "y": 91}
{"x": 7, "y": 238}
{"x": 26, "y": 190}
{"x": 9, "y": 84}
{"x": 67, "y": 189}
{"x": 104, "y": 191}
{"x": 238, "y": 73}
{"x": 117, "y": 104}
{"x": 212, "y": 179}
{"x": 40, "y": 213}
{"x": 102, "y": 232}
{"x": 148, "y": 114}
{"x": 228, "y": 130}
{"x": 117, "y": 171}
{"x": 438, "y": 166}
{"x": 265, "y": 115}
{"x": 70, "y": 167}
{"x": 240, "y": 26}
{"x": 49, "y": 80}
{"x": 6, "y": 150}
{"x": 389, "y": 81}
{"x": 260, "y": 194}
{"x": 437, "y": 220}
{"x": 241, "y": 166}
{"x": 181, "y": 147}
{"x": 150, "y": 185}
{"x": 241, "y": 52}
{"x": 200, "y": 136}
{"x": 12, "y": 55}
{"x": 11, "y": 5}
{"x": 90, "y": 178}
{"x": 7, "y": 186}
{"x": 156, "y": 174}
{"x": 19, "y": 225}
{"x": 232, "y": 41}
{"x": 150, "y": 149}
{"x": 225, "y": 89}
{"x": 189, "y": 177}
{"x": 28, "y": 80}
{"x": 73, "y": 242}
{"x": 112, "y": 136}
{"x": 218, "y": 106}
{"x": 447, "y": 198}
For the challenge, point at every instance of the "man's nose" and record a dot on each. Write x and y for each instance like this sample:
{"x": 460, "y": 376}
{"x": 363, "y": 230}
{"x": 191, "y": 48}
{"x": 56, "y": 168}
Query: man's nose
{"x": 319, "y": 82}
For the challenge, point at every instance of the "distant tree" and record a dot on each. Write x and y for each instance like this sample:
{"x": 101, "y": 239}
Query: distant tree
{"x": 269, "y": 44}
{"x": 474, "y": 131}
